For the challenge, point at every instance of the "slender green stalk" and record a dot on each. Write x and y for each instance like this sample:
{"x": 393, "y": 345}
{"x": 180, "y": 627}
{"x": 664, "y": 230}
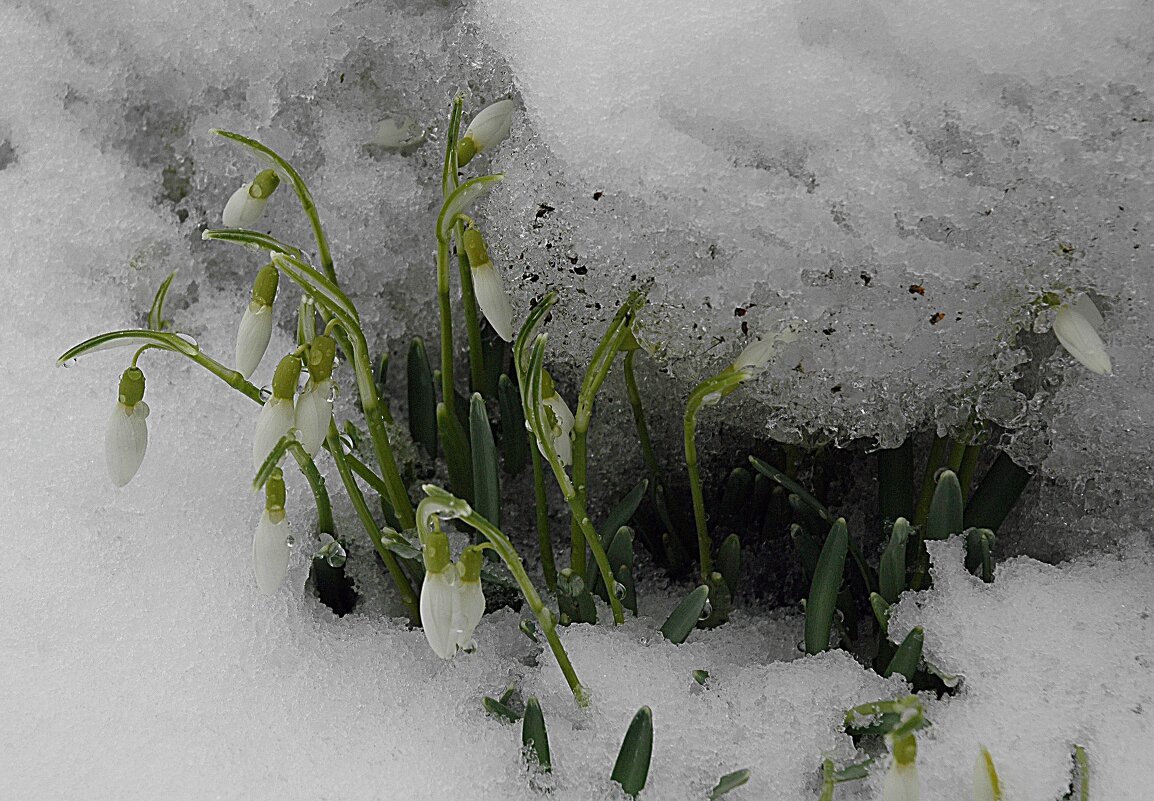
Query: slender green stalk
{"x": 533, "y": 414}
{"x": 967, "y": 467}
{"x": 444, "y": 304}
{"x": 706, "y": 393}
{"x": 639, "y": 417}
{"x": 408, "y": 597}
{"x": 442, "y": 504}
{"x": 957, "y": 452}
{"x": 472, "y": 321}
{"x": 544, "y": 538}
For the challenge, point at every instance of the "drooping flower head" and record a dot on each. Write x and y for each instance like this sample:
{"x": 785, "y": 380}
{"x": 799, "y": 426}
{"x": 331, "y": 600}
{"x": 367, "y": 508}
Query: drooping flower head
{"x": 470, "y": 601}
{"x": 901, "y": 783}
{"x": 314, "y": 406}
{"x": 255, "y": 331}
{"x": 487, "y": 130}
{"x": 277, "y": 414}
{"x": 487, "y": 285}
{"x": 1076, "y": 328}
{"x": 247, "y": 204}
{"x": 757, "y": 354}
{"x": 438, "y": 594}
{"x": 126, "y": 438}
{"x": 270, "y": 549}
{"x": 560, "y": 419}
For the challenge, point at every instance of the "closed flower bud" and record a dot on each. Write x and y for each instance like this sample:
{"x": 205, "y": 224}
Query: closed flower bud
{"x": 560, "y": 419}
{"x": 757, "y": 354}
{"x": 255, "y": 331}
{"x": 901, "y": 783}
{"x": 1078, "y": 336}
{"x": 438, "y": 595}
{"x": 277, "y": 415}
{"x": 247, "y": 204}
{"x": 126, "y": 438}
{"x": 314, "y": 410}
{"x": 470, "y": 601}
{"x": 486, "y": 131}
{"x": 270, "y": 549}
{"x": 487, "y": 285}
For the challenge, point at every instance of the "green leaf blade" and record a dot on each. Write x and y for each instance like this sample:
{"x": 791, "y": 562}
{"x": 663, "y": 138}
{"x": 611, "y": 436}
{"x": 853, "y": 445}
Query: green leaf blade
{"x": 631, "y": 770}
{"x": 827, "y": 579}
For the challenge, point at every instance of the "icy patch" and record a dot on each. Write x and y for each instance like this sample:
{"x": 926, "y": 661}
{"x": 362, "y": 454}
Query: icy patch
{"x": 1049, "y": 657}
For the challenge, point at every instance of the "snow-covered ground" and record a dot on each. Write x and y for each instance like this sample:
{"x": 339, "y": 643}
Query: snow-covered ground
{"x": 985, "y": 153}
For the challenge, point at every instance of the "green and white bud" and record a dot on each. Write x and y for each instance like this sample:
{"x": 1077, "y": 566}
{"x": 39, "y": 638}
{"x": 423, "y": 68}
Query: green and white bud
{"x": 560, "y": 418}
{"x": 487, "y": 130}
{"x": 491, "y": 297}
{"x": 470, "y": 601}
{"x": 1077, "y": 334}
{"x": 901, "y": 783}
{"x": 277, "y": 415}
{"x": 270, "y": 550}
{"x": 247, "y": 204}
{"x": 438, "y": 595}
{"x": 255, "y": 331}
{"x": 314, "y": 405}
{"x": 757, "y": 354}
{"x": 126, "y": 437}
{"x": 986, "y": 784}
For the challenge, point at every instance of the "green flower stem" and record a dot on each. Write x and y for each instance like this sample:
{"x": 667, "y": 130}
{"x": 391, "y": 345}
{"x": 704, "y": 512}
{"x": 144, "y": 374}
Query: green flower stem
{"x": 441, "y": 503}
{"x": 533, "y": 414}
{"x": 544, "y": 539}
{"x": 968, "y": 466}
{"x": 712, "y": 389}
{"x": 599, "y": 366}
{"x": 937, "y": 458}
{"x": 446, "y": 309}
{"x": 957, "y": 452}
{"x": 400, "y": 579}
{"x": 639, "y": 417}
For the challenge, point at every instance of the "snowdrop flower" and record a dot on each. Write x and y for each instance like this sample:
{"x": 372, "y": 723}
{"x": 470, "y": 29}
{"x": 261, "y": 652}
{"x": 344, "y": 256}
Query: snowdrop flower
{"x": 256, "y": 325}
{"x": 247, "y": 203}
{"x": 314, "y": 407}
{"x": 1075, "y": 328}
{"x": 276, "y": 416}
{"x": 490, "y": 293}
{"x": 986, "y": 784}
{"x": 270, "y": 549}
{"x": 757, "y": 354}
{"x": 126, "y": 438}
{"x": 488, "y": 128}
{"x": 560, "y": 419}
{"x": 469, "y": 605}
{"x": 901, "y": 782}
{"x": 438, "y": 595}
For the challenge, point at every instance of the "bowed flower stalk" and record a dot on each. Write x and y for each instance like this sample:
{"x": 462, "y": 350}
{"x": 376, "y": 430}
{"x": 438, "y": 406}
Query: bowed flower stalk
{"x": 486, "y": 131}
{"x": 255, "y": 331}
{"x": 247, "y": 204}
{"x": 901, "y": 783}
{"x": 487, "y": 285}
{"x": 452, "y": 601}
{"x": 270, "y": 548}
{"x": 126, "y": 438}
{"x": 560, "y": 420}
{"x": 1076, "y": 328}
{"x": 314, "y": 405}
{"x": 276, "y": 416}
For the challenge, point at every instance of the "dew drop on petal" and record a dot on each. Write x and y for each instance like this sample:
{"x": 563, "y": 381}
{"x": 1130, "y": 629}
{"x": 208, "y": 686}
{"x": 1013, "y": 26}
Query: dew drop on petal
{"x": 290, "y": 541}
{"x": 346, "y": 443}
{"x": 190, "y": 340}
{"x": 619, "y": 590}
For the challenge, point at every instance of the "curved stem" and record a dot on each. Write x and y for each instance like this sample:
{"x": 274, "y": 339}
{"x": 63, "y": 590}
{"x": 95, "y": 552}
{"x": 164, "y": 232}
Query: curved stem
{"x": 639, "y": 417}
{"x": 443, "y": 503}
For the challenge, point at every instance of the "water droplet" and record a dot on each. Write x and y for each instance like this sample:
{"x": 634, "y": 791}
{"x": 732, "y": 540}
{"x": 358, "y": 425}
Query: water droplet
{"x": 265, "y": 393}
{"x": 290, "y": 541}
{"x": 335, "y": 554}
{"x": 189, "y": 340}
{"x": 346, "y": 443}
{"x": 619, "y": 590}
{"x": 711, "y": 399}
{"x": 471, "y": 647}
{"x": 706, "y": 611}
{"x": 333, "y": 392}
{"x": 68, "y": 363}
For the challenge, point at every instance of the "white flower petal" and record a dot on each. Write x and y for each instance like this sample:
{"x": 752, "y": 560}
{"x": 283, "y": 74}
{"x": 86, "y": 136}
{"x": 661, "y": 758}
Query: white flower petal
{"x": 125, "y": 441}
{"x": 270, "y": 553}
{"x": 986, "y": 785}
{"x": 252, "y": 338}
{"x": 901, "y": 783}
{"x": 243, "y": 210}
{"x": 467, "y": 612}
{"x": 438, "y": 597}
{"x": 562, "y": 441}
{"x": 756, "y": 355}
{"x": 1085, "y": 307}
{"x": 314, "y": 410}
{"x": 275, "y": 420}
{"x": 1081, "y": 341}
{"x": 493, "y": 301}
{"x": 491, "y": 125}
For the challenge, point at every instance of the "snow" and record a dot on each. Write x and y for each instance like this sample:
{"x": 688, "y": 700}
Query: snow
{"x": 958, "y": 149}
